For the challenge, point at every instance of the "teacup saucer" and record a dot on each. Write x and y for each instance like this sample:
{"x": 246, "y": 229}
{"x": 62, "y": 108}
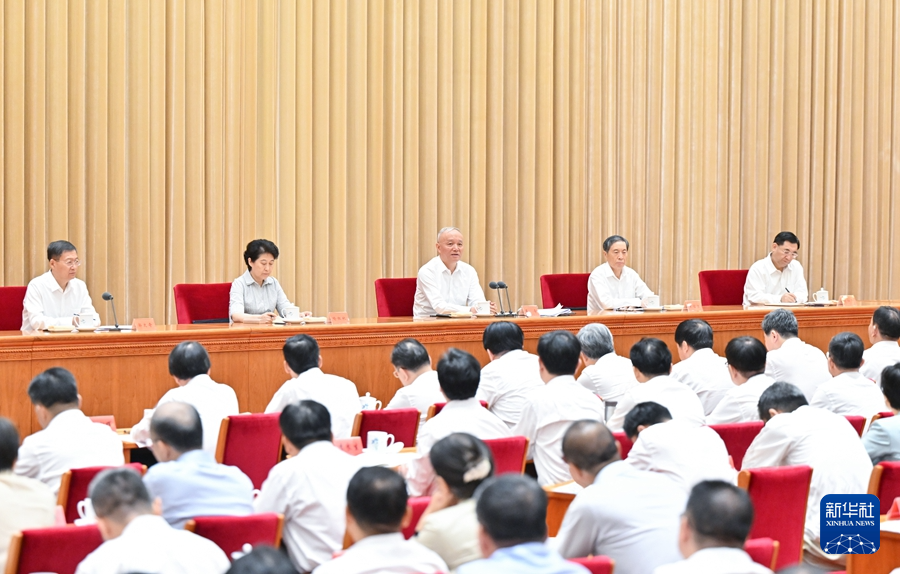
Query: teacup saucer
{"x": 87, "y": 329}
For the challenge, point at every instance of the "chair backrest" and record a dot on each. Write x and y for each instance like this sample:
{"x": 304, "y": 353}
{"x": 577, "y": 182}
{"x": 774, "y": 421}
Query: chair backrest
{"x": 230, "y": 533}
{"x": 352, "y": 445}
{"x": 57, "y": 549}
{"x": 402, "y": 423}
{"x": 11, "y": 304}
{"x": 73, "y": 487}
{"x": 625, "y": 444}
{"x": 252, "y": 443}
{"x": 779, "y": 498}
{"x": 436, "y": 409}
{"x": 858, "y": 423}
{"x": 596, "y": 564}
{"x": 722, "y": 286}
{"x": 418, "y": 505}
{"x": 881, "y": 415}
{"x": 395, "y": 297}
{"x": 737, "y": 438}
{"x": 557, "y": 505}
{"x": 882, "y": 562}
{"x": 108, "y": 420}
{"x": 201, "y": 302}
{"x": 566, "y": 289}
{"x": 763, "y": 551}
{"x": 509, "y": 454}
{"x": 885, "y": 483}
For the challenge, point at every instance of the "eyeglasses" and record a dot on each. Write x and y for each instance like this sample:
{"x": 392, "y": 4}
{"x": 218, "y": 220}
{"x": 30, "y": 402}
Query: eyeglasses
{"x": 788, "y": 253}
{"x": 71, "y": 262}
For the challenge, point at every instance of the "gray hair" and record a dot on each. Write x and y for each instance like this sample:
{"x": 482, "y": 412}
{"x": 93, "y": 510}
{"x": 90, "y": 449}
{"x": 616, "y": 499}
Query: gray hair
{"x": 596, "y": 340}
{"x": 445, "y": 230}
{"x": 782, "y": 321}
{"x": 117, "y": 493}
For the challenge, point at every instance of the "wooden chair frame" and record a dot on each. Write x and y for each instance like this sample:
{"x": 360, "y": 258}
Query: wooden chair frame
{"x": 191, "y": 526}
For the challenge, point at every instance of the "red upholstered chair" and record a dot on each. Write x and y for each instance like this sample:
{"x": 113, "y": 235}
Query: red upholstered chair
{"x": 737, "y": 438}
{"x": 436, "y": 408}
{"x": 857, "y": 422}
{"x": 625, "y": 444}
{"x": 881, "y": 415}
{"x": 11, "y": 299}
{"x": 509, "y": 454}
{"x": 230, "y": 533}
{"x": 596, "y": 564}
{"x": 763, "y": 551}
{"x": 885, "y": 483}
{"x": 418, "y": 505}
{"x": 402, "y": 423}
{"x": 73, "y": 486}
{"x": 395, "y": 297}
{"x": 201, "y": 302}
{"x": 722, "y": 287}
{"x": 779, "y": 498}
{"x": 252, "y": 443}
{"x": 566, "y": 289}
{"x": 56, "y": 549}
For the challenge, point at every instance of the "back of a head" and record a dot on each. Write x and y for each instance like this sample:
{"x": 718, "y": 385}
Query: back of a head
{"x": 696, "y": 333}
{"x": 188, "y": 360}
{"x": 651, "y": 357}
{"x": 719, "y": 514}
{"x": 596, "y": 340}
{"x": 262, "y": 560}
{"x": 178, "y": 425}
{"x": 377, "y": 498}
{"x": 409, "y": 354}
{"x": 747, "y": 355}
{"x": 783, "y": 397}
{"x": 887, "y": 319}
{"x": 9, "y": 444}
{"x": 55, "y": 386}
{"x": 502, "y": 336}
{"x": 305, "y": 422}
{"x": 458, "y": 374}
{"x": 560, "y": 352}
{"x": 301, "y": 353}
{"x": 782, "y": 322}
{"x": 57, "y": 248}
{"x": 846, "y": 350}
{"x": 644, "y": 414}
{"x": 512, "y": 509}
{"x": 463, "y": 461}
{"x": 890, "y": 385}
{"x": 589, "y": 444}
{"x": 118, "y": 494}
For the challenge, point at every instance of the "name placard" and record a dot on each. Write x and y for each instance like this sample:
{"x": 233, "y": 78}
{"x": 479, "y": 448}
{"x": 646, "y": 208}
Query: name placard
{"x": 338, "y": 318}
{"x": 143, "y": 325}
{"x": 530, "y": 311}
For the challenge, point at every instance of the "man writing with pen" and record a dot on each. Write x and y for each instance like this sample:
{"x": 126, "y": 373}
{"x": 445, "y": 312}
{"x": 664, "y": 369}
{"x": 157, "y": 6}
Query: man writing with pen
{"x": 778, "y": 277}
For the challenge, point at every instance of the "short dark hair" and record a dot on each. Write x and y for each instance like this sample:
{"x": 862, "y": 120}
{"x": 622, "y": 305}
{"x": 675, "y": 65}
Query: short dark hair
{"x": 502, "y": 336}
{"x": 719, "y": 514}
{"x": 512, "y": 509}
{"x": 696, "y": 332}
{"x": 612, "y": 240}
{"x": 560, "y": 352}
{"x": 587, "y": 444}
{"x": 377, "y": 498}
{"x": 786, "y": 237}
{"x": 782, "y": 321}
{"x": 846, "y": 350}
{"x": 463, "y": 461}
{"x": 887, "y": 319}
{"x": 747, "y": 355}
{"x": 410, "y": 354}
{"x": 178, "y": 425}
{"x": 9, "y": 444}
{"x": 458, "y": 374}
{"x": 596, "y": 340}
{"x": 890, "y": 384}
{"x": 55, "y": 386}
{"x": 305, "y": 422}
{"x": 262, "y": 560}
{"x": 301, "y": 353}
{"x": 651, "y": 357}
{"x": 57, "y": 248}
{"x": 257, "y": 248}
{"x": 117, "y": 492}
{"x": 780, "y": 396}
{"x": 187, "y": 360}
{"x": 644, "y": 414}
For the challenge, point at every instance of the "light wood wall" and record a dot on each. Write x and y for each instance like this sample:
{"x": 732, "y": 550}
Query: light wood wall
{"x": 161, "y": 136}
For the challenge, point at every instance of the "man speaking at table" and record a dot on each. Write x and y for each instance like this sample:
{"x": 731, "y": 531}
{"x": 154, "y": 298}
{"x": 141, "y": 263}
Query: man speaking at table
{"x": 54, "y": 297}
{"x": 777, "y": 277}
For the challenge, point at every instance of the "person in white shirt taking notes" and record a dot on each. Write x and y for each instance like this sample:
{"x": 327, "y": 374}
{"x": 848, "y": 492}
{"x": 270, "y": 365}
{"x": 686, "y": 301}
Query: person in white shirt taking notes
{"x": 777, "y": 277}
{"x": 613, "y": 284}
{"x": 256, "y": 296}
{"x": 52, "y": 299}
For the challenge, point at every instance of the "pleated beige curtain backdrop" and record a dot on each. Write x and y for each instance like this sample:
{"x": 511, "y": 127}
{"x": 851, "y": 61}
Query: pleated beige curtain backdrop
{"x": 161, "y": 136}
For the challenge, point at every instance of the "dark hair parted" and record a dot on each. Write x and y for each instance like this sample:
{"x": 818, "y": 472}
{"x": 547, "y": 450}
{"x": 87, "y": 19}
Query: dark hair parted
{"x": 301, "y": 353}
{"x": 257, "y": 248}
{"x": 502, "y": 336}
{"x": 305, "y": 422}
{"x": 696, "y": 333}
{"x": 57, "y": 248}
{"x": 187, "y": 360}
{"x": 644, "y": 414}
{"x": 786, "y": 237}
{"x": 55, "y": 386}
{"x": 560, "y": 352}
{"x": 887, "y": 320}
{"x": 747, "y": 355}
{"x": 783, "y": 397}
{"x": 846, "y": 350}
{"x": 651, "y": 357}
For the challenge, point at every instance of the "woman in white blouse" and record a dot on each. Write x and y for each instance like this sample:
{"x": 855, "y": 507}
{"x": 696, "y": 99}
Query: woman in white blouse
{"x": 613, "y": 284}
{"x": 256, "y": 296}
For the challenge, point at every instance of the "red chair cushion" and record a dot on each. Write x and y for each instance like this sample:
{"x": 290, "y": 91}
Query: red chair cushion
{"x": 230, "y": 533}
{"x": 11, "y": 300}
{"x": 57, "y": 549}
{"x": 402, "y": 423}
{"x": 78, "y": 486}
{"x": 737, "y": 438}
{"x": 253, "y": 444}
{"x": 395, "y": 297}
{"x": 858, "y": 423}
{"x": 566, "y": 289}
{"x": 201, "y": 301}
{"x": 779, "y": 498}
{"x": 596, "y": 564}
{"x": 509, "y": 454}
{"x": 625, "y": 444}
{"x": 418, "y": 504}
{"x": 889, "y": 488}
{"x": 722, "y": 287}
{"x": 761, "y": 550}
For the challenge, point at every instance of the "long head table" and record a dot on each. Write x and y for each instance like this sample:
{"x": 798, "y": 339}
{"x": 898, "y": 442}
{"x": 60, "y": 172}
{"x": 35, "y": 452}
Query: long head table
{"x": 123, "y": 373}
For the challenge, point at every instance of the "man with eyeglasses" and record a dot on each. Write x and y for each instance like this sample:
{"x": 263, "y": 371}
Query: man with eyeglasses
{"x": 778, "y": 277}
{"x": 52, "y": 299}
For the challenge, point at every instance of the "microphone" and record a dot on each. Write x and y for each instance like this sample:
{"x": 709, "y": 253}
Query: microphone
{"x": 510, "y": 313}
{"x": 496, "y": 285}
{"x": 107, "y": 296}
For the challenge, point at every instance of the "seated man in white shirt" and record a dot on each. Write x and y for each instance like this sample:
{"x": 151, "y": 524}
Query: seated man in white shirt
{"x": 652, "y": 362}
{"x": 412, "y": 366}
{"x": 377, "y": 512}
{"x": 510, "y": 375}
{"x": 189, "y": 366}
{"x": 849, "y": 392}
{"x": 700, "y": 367}
{"x": 685, "y": 453}
{"x": 69, "y": 439}
{"x": 882, "y": 441}
{"x": 791, "y": 360}
{"x": 551, "y": 408}
{"x": 606, "y": 374}
{"x": 714, "y": 528}
{"x": 746, "y": 358}
{"x": 303, "y": 362}
{"x": 446, "y": 284}
{"x": 613, "y": 284}
{"x": 52, "y": 299}
{"x": 777, "y": 277}
{"x": 884, "y": 331}
{"x": 310, "y": 487}
{"x": 630, "y": 515}
{"x": 136, "y": 539}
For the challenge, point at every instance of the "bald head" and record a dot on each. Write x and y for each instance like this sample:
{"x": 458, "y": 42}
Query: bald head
{"x": 589, "y": 446}
{"x": 178, "y": 425}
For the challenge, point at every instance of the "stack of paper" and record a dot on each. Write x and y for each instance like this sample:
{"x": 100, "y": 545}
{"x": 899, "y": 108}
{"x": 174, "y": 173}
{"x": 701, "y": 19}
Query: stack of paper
{"x": 554, "y": 312}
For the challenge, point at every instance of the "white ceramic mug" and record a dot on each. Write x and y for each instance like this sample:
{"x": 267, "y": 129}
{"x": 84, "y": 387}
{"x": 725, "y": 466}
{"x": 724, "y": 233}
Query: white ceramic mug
{"x": 482, "y": 307}
{"x": 821, "y": 296}
{"x": 369, "y": 403}
{"x": 651, "y": 301}
{"x": 87, "y": 320}
{"x": 379, "y": 440}
{"x": 291, "y": 312}
{"x": 86, "y": 511}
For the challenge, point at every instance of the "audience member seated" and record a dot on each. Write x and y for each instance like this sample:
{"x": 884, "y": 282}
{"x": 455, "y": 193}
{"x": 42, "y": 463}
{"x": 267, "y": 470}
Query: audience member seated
{"x": 849, "y": 392}
{"x": 512, "y": 517}
{"x": 69, "y": 439}
{"x": 627, "y": 514}
{"x": 511, "y": 373}
{"x": 303, "y": 363}
{"x": 746, "y": 358}
{"x": 189, "y": 366}
{"x": 263, "y": 560}
{"x": 699, "y": 366}
{"x": 714, "y": 528}
{"x": 26, "y": 502}
{"x": 685, "y": 453}
{"x": 790, "y": 360}
{"x": 188, "y": 480}
{"x": 796, "y": 433}
{"x": 449, "y": 525}
{"x": 136, "y": 539}
{"x": 652, "y": 362}
{"x": 420, "y": 389}
{"x": 458, "y": 374}
{"x": 882, "y": 442}
{"x": 551, "y": 408}
{"x": 884, "y": 330}
{"x": 377, "y": 512}
{"x": 310, "y": 487}
{"x": 606, "y": 374}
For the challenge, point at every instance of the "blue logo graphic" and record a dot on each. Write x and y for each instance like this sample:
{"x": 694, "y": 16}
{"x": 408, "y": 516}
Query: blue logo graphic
{"x": 850, "y": 524}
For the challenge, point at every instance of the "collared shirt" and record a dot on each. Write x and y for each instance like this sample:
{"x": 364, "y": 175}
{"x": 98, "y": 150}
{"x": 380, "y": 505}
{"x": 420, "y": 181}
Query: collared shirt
{"x": 706, "y": 373}
{"x": 148, "y": 544}
{"x": 632, "y": 516}
{"x": 452, "y": 532}
{"x": 800, "y": 364}
{"x": 548, "y": 412}
{"x": 681, "y": 401}
{"x": 310, "y": 490}
{"x": 606, "y": 291}
{"x": 609, "y": 378}
{"x": 196, "y": 485}
{"x": 880, "y": 355}
{"x": 71, "y": 440}
{"x": 213, "y": 401}
{"x": 850, "y": 393}
{"x": 26, "y": 503}
{"x": 440, "y": 291}
{"x": 385, "y": 554}
{"x": 337, "y": 394}
{"x": 766, "y": 284}
{"x": 820, "y": 439}
{"x": 506, "y": 381}
{"x": 715, "y": 561}
{"x": 457, "y": 416}
{"x": 248, "y": 296}
{"x": 419, "y": 394}
{"x": 528, "y": 558}
{"x": 739, "y": 405}
{"x": 47, "y": 305}
{"x": 882, "y": 441}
